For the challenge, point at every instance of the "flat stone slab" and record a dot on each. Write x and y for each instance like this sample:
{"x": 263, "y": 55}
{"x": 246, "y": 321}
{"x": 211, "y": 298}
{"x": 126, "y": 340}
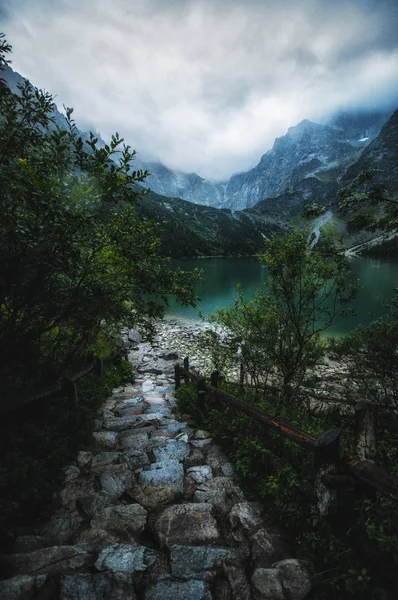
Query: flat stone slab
{"x": 104, "y": 458}
{"x": 119, "y": 423}
{"x": 172, "y": 450}
{"x": 101, "y": 586}
{"x": 167, "y": 476}
{"x": 135, "y": 459}
{"x": 176, "y": 590}
{"x": 127, "y": 558}
{"x": 106, "y": 439}
{"x": 116, "y": 479}
{"x": 123, "y": 517}
{"x": 190, "y": 523}
{"x": 194, "y": 562}
{"x": 200, "y": 474}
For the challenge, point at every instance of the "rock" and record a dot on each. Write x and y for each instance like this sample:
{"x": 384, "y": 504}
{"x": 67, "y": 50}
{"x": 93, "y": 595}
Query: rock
{"x": 194, "y": 459}
{"x": 21, "y": 587}
{"x": 156, "y": 416}
{"x": 201, "y": 434}
{"x": 234, "y": 493}
{"x": 190, "y": 523}
{"x": 62, "y": 527}
{"x": 101, "y": 586}
{"x": 182, "y": 437}
{"x": 120, "y": 423}
{"x": 175, "y": 590}
{"x": 127, "y": 558}
{"x": 202, "y": 444}
{"x": 135, "y": 459}
{"x": 52, "y": 560}
{"x": 171, "y": 476}
{"x": 75, "y": 489}
{"x": 193, "y": 562}
{"x": 134, "y": 336}
{"x": 172, "y": 450}
{"x": 83, "y": 459}
{"x": 116, "y": 480}
{"x": 228, "y": 469}
{"x": 153, "y": 497}
{"x": 242, "y": 520}
{"x": 263, "y": 551}
{"x": 95, "y": 502}
{"x": 268, "y": 584}
{"x": 175, "y": 426}
{"x": 105, "y": 439}
{"x": 104, "y": 458}
{"x": 200, "y": 474}
{"x": 97, "y": 539}
{"x": 216, "y": 498}
{"x": 170, "y": 355}
{"x": 237, "y": 580}
{"x": 134, "y": 440}
{"x": 130, "y": 518}
{"x": 295, "y": 578}
{"x": 71, "y": 473}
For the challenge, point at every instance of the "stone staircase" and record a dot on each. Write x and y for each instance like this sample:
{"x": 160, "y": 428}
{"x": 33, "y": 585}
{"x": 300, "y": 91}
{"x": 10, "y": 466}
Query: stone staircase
{"x": 153, "y": 511}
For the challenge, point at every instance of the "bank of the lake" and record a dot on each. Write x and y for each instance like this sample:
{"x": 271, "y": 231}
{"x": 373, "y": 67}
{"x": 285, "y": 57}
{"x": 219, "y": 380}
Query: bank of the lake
{"x": 378, "y": 277}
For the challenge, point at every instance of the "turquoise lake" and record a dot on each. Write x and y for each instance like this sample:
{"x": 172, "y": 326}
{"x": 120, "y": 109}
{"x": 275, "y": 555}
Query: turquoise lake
{"x": 221, "y": 276}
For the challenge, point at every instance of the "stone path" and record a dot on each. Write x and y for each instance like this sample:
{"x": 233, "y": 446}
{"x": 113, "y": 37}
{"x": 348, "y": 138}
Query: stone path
{"x": 153, "y": 511}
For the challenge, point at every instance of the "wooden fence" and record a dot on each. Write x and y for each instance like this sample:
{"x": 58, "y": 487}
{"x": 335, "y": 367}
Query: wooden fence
{"x": 333, "y": 470}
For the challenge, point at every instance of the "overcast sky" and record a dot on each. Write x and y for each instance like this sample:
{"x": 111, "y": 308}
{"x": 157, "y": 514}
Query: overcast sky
{"x": 206, "y": 85}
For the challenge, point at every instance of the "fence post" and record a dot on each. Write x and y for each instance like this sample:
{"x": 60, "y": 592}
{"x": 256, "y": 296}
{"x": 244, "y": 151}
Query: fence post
{"x": 214, "y": 379}
{"x": 70, "y": 390}
{"x": 186, "y": 370}
{"x": 365, "y": 430}
{"x": 201, "y": 394}
{"x": 177, "y": 376}
{"x": 326, "y": 459}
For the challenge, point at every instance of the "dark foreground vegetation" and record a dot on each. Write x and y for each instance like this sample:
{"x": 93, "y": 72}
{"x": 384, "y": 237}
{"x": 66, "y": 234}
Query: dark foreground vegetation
{"x": 77, "y": 264}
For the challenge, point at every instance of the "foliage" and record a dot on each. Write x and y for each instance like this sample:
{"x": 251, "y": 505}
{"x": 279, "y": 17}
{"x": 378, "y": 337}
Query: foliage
{"x": 370, "y": 202}
{"x": 280, "y": 473}
{"x": 75, "y": 260}
{"x": 37, "y": 444}
{"x": 279, "y": 331}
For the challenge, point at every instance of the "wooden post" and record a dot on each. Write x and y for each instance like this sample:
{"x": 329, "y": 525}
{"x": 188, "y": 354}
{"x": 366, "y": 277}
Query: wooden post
{"x": 326, "y": 459}
{"x": 186, "y": 370}
{"x": 365, "y": 430}
{"x": 71, "y": 392}
{"x": 177, "y": 376}
{"x": 214, "y": 379}
{"x": 201, "y": 395}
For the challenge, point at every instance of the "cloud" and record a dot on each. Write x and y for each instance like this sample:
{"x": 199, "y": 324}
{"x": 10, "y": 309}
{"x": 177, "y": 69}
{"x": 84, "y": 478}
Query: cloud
{"x": 206, "y": 85}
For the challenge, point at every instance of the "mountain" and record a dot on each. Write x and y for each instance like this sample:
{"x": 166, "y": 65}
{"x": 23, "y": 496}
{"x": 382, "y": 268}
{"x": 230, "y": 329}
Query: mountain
{"x": 381, "y": 156}
{"x": 194, "y": 230}
{"x": 303, "y": 166}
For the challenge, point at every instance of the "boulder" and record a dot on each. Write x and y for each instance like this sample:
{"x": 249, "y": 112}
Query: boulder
{"x": 267, "y": 584}
{"x": 105, "y": 439}
{"x": 193, "y": 562}
{"x": 130, "y": 518}
{"x": 172, "y": 450}
{"x": 127, "y": 558}
{"x": 295, "y": 578}
{"x": 187, "y": 523}
{"x": 134, "y": 336}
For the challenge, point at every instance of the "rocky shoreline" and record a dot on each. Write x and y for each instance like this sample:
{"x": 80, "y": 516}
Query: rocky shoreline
{"x": 153, "y": 509}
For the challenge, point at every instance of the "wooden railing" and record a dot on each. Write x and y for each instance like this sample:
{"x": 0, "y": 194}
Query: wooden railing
{"x": 333, "y": 469}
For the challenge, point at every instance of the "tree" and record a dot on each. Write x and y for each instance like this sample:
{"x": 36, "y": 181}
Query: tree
{"x": 76, "y": 262}
{"x": 306, "y": 291}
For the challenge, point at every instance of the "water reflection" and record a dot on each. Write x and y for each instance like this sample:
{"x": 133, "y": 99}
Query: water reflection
{"x": 218, "y": 289}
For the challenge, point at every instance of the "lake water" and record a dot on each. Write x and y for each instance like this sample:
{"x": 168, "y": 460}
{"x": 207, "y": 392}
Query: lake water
{"x": 221, "y": 275}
